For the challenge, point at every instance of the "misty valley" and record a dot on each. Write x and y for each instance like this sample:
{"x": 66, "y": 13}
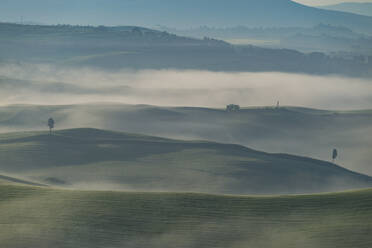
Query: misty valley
{"x": 188, "y": 124}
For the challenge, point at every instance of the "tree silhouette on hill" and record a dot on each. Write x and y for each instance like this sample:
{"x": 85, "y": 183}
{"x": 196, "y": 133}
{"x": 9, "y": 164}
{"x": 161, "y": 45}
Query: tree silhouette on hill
{"x": 50, "y": 125}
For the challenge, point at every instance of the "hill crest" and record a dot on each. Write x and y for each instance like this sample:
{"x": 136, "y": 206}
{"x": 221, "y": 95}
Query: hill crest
{"x": 96, "y": 159}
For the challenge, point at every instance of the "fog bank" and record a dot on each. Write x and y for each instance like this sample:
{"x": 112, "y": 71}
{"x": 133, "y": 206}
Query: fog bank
{"x": 45, "y": 84}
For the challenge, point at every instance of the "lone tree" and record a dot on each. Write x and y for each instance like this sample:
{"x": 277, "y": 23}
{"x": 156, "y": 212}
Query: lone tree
{"x": 50, "y": 125}
{"x": 334, "y": 155}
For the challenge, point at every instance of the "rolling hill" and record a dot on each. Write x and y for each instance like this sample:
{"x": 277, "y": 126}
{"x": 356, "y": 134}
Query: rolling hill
{"x": 262, "y": 128}
{"x": 356, "y": 8}
{"x": 96, "y": 159}
{"x": 38, "y": 217}
{"x": 194, "y": 13}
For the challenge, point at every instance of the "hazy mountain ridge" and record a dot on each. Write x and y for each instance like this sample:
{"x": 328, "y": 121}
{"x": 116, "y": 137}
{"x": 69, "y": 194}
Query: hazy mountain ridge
{"x": 254, "y": 13}
{"x": 335, "y": 40}
{"x": 126, "y": 34}
{"x": 138, "y": 48}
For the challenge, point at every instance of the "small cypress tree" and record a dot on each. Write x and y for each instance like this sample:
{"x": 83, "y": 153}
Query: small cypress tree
{"x": 50, "y": 125}
{"x": 334, "y": 155}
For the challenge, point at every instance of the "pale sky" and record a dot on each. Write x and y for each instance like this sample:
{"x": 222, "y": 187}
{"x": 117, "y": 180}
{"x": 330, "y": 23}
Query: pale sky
{"x": 326, "y": 2}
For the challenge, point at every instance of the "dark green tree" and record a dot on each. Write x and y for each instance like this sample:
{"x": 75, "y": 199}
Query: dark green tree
{"x": 334, "y": 155}
{"x": 50, "y": 125}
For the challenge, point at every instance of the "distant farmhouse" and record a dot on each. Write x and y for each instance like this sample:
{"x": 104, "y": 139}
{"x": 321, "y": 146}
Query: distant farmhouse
{"x": 232, "y": 108}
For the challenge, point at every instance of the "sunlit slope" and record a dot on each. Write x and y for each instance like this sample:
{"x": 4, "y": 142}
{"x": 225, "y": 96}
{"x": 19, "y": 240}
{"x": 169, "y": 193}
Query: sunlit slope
{"x": 97, "y": 159}
{"x": 36, "y": 217}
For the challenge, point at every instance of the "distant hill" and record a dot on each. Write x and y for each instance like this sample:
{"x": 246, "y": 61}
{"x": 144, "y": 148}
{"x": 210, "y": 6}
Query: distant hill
{"x": 91, "y": 158}
{"x": 356, "y": 8}
{"x": 139, "y": 48}
{"x": 37, "y": 217}
{"x": 219, "y": 13}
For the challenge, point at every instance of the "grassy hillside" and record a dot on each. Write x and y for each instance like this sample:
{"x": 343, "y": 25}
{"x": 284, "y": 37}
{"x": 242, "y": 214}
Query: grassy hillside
{"x": 265, "y": 129}
{"x": 38, "y": 217}
{"x": 91, "y": 158}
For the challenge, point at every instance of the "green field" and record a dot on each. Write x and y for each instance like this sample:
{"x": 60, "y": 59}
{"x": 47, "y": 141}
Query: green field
{"x": 41, "y": 217}
{"x": 106, "y": 160}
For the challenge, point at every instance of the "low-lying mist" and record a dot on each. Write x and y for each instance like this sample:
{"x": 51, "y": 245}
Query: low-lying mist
{"x": 305, "y": 134}
{"x": 51, "y": 85}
